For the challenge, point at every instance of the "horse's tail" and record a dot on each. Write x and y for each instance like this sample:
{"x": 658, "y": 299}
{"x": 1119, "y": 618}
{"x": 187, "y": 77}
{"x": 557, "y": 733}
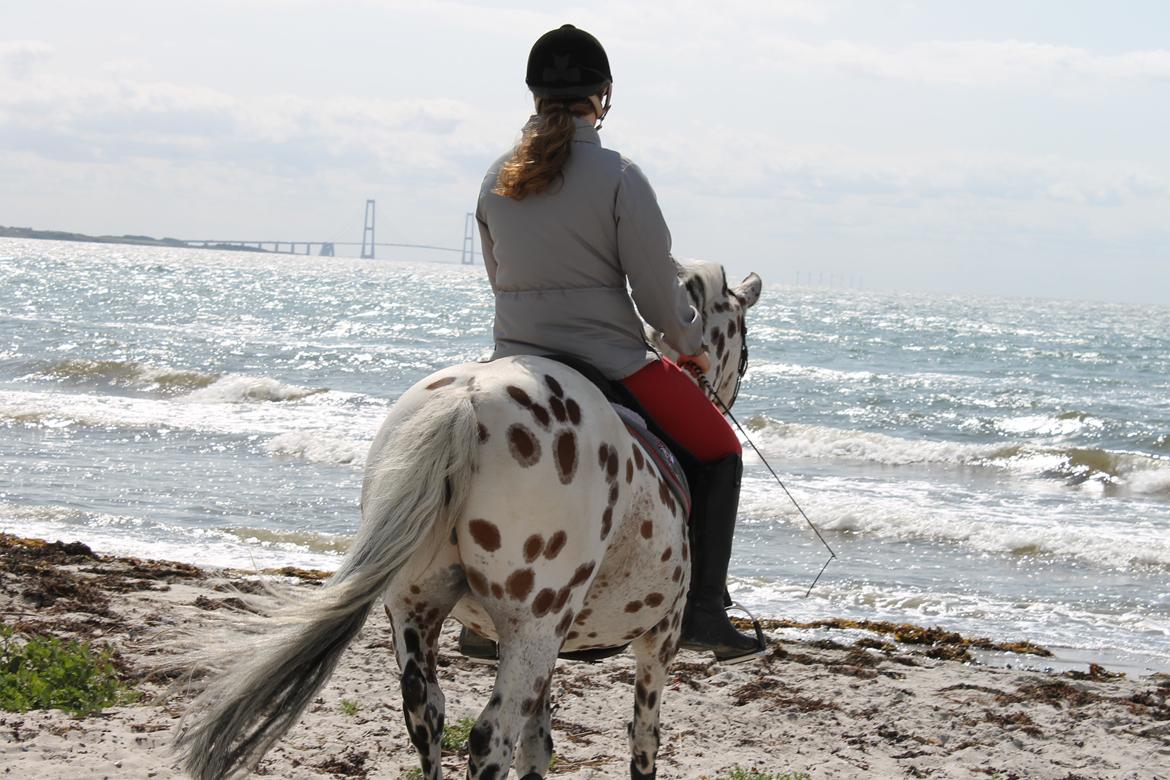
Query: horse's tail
{"x": 415, "y": 487}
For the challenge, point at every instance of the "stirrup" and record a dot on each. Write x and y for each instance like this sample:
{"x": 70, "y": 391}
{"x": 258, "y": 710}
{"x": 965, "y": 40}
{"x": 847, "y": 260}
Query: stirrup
{"x": 761, "y": 642}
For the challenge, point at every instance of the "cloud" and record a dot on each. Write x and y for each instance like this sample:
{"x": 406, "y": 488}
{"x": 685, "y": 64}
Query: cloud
{"x": 758, "y": 166}
{"x": 20, "y": 57}
{"x": 113, "y": 120}
{"x": 1001, "y": 64}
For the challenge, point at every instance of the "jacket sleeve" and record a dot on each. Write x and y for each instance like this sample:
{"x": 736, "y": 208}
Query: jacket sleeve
{"x": 486, "y": 245}
{"x": 644, "y": 252}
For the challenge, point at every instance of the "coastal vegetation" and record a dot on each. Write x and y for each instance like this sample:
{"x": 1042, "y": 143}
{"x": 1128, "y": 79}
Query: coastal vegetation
{"x": 44, "y": 672}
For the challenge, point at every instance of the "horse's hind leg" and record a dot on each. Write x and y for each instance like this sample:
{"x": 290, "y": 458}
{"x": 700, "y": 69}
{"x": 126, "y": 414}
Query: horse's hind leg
{"x": 417, "y": 612}
{"x": 520, "y": 696}
{"x": 654, "y": 651}
{"x": 534, "y": 753}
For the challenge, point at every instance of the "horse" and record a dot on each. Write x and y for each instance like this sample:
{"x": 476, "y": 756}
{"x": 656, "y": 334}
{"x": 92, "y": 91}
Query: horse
{"x": 510, "y": 496}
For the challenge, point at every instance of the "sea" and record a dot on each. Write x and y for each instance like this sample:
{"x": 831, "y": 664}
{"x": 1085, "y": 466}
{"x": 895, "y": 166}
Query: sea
{"x": 996, "y": 467}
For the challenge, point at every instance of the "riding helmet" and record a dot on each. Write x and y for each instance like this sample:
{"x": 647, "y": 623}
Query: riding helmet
{"x": 567, "y": 62}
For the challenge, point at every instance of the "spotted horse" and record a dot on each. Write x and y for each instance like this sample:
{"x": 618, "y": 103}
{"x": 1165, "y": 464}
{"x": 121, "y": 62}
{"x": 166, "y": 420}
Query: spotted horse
{"x": 510, "y": 496}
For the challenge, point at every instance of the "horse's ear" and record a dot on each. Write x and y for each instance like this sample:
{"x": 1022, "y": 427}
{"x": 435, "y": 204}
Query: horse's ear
{"x": 748, "y": 292}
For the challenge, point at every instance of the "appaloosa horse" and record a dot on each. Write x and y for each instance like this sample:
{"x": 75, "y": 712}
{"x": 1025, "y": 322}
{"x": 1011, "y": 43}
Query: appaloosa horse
{"x": 510, "y": 496}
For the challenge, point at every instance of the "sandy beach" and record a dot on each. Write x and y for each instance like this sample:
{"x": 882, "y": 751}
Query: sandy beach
{"x": 868, "y": 707}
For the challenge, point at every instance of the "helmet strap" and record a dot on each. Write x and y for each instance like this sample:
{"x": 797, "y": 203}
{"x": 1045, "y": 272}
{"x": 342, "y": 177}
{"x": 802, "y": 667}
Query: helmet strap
{"x": 600, "y": 109}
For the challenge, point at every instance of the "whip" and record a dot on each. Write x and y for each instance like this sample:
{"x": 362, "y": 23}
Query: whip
{"x": 706, "y": 385}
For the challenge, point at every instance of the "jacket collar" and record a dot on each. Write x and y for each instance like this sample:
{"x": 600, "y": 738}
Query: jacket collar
{"x": 585, "y": 132}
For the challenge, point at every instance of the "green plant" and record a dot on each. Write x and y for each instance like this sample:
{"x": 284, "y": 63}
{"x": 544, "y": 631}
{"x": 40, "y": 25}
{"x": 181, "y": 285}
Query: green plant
{"x": 739, "y": 773}
{"x": 455, "y": 734}
{"x": 349, "y": 707}
{"x": 412, "y": 774}
{"x": 38, "y": 672}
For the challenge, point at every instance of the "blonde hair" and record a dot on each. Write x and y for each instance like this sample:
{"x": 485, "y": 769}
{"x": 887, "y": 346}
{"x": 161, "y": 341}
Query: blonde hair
{"x": 539, "y": 158}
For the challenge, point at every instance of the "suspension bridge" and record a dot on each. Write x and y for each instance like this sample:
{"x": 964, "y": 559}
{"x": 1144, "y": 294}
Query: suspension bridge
{"x": 369, "y": 246}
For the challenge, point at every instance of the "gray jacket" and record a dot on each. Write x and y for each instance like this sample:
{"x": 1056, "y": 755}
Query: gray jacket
{"x": 559, "y": 261}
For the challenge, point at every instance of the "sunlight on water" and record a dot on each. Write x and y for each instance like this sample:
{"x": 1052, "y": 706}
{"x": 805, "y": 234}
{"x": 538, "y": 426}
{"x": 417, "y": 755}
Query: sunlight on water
{"x": 998, "y": 467}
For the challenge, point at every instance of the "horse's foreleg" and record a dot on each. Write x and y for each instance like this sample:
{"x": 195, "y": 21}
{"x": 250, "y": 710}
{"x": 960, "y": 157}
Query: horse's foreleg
{"x": 534, "y": 753}
{"x": 417, "y": 613}
{"x": 654, "y": 651}
{"x": 520, "y": 695}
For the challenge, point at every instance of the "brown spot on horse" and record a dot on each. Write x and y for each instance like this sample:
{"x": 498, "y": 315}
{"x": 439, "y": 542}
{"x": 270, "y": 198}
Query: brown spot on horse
{"x": 647, "y": 529}
{"x": 519, "y": 584}
{"x": 519, "y": 396}
{"x": 565, "y": 447}
{"x": 485, "y": 534}
{"x": 533, "y": 547}
{"x": 654, "y": 599}
{"x": 477, "y": 581}
{"x": 523, "y": 445}
{"x": 582, "y": 574}
{"x": 555, "y": 543}
{"x": 574, "y": 411}
{"x": 554, "y": 386}
{"x": 543, "y": 602}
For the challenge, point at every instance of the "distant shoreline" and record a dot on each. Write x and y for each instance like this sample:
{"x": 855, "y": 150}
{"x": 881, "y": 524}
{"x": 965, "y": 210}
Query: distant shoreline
{"x": 62, "y": 235}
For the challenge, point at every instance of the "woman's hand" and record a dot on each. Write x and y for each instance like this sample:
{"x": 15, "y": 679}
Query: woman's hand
{"x": 701, "y": 362}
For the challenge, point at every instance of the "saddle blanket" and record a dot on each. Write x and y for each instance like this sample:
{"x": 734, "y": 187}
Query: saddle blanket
{"x": 662, "y": 456}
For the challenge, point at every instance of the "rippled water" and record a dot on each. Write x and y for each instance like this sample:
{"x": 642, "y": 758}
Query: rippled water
{"x": 1000, "y": 467}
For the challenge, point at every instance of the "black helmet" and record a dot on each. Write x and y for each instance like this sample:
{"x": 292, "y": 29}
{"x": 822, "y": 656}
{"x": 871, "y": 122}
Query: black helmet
{"x": 567, "y": 63}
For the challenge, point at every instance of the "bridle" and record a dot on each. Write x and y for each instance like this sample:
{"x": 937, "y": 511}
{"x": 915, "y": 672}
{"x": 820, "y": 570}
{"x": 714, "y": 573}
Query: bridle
{"x": 740, "y": 370}
{"x": 743, "y": 362}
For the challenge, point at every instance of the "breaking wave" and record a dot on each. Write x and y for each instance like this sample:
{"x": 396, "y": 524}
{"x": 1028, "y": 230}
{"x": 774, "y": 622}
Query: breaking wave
{"x": 201, "y": 386}
{"x": 318, "y": 448}
{"x": 237, "y": 388}
{"x": 126, "y": 373}
{"x": 1131, "y": 471}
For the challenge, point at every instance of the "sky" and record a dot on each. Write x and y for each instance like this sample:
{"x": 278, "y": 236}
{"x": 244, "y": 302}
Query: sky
{"x": 976, "y": 148}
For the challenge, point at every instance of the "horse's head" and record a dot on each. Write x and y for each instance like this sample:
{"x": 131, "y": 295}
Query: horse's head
{"x": 724, "y": 329}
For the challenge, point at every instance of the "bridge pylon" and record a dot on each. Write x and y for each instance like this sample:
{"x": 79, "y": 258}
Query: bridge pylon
{"x": 368, "y": 233}
{"x": 469, "y": 240}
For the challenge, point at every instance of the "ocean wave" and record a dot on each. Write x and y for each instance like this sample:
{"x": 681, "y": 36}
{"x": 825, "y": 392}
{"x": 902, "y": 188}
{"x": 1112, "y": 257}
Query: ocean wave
{"x": 245, "y": 549}
{"x": 126, "y": 373}
{"x": 238, "y": 388}
{"x": 887, "y": 513}
{"x": 1134, "y": 472}
{"x": 330, "y": 544}
{"x": 200, "y": 386}
{"x": 318, "y": 448}
{"x": 342, "y": 415}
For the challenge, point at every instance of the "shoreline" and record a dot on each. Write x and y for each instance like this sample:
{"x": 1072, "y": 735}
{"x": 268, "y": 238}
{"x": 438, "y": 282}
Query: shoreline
{"x": 831, "y": 709}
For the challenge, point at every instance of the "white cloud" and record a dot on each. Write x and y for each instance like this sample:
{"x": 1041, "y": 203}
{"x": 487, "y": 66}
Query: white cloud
{"x": 20, "y": 57}
{"x": 1001, "y": 64}
{"x": 114, "y": 119}
{"x": 758, "y": 165}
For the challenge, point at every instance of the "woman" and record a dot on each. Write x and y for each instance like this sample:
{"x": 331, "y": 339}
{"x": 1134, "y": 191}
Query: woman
{"x": 564, "y": 224}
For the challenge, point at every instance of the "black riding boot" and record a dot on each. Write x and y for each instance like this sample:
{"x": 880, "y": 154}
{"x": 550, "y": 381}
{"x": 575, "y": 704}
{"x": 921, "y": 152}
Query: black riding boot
{"x": 715, "y": 497}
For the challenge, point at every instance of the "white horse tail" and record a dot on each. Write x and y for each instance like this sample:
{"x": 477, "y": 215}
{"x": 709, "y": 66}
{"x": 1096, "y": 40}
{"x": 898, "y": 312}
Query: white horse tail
{"x": 416, "y": 485}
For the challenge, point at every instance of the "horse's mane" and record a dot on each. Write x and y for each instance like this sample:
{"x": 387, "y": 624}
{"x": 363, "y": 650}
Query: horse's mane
{"x": 705, "y": 281}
